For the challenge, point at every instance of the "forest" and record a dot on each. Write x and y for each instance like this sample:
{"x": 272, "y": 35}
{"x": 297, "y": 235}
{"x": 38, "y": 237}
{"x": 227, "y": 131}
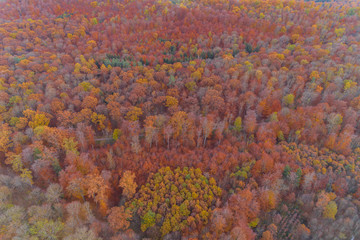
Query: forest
{"x": 179, "y": 120}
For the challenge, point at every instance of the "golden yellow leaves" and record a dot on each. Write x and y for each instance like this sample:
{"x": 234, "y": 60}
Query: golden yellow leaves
{"x": 349, "y": 84}
{"x": 36, "y": 119}
{"x": 173, "y": 200}
{"x": 94, "y": 21}
{"x": 5, "y": 141}
{"x": 171, "y": 101}
{"x": 339, "y": 32}
{"x": 91, "y": 43}
{"x": 86, "y": 66}
{"x": 17, "y": 165}
{"x": 327, "y": 205}
{"x": 289, "y": 99}
{"x": 116, "y": 134}
{"x": 314, "y": 75}
{"x": 295, "y": 37}
{"x": 133, "y": 114}
{"x": 99, "y": 120}
{"x": 235, "y": 9}
{"x": 70, "y": 145}
{"x": 94, "y": 4}
{"x": 77, "y": 68}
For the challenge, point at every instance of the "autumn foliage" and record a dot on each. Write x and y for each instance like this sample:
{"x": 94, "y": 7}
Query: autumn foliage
{"x": 178, "y": 200}
{"x": 209, "y": 119}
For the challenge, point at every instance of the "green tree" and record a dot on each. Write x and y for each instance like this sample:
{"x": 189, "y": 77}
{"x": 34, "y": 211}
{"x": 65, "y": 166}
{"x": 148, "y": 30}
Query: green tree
{"x": 286, "y": 171}
{"x": 148, "y": 220}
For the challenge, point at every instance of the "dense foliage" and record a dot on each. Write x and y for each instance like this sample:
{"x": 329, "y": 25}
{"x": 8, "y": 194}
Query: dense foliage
{"x": 209, "y": 119}
{"x": 175, "y": 200}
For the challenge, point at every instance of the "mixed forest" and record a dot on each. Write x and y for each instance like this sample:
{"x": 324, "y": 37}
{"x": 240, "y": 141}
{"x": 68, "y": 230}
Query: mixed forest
{"x": 209, "y": 119}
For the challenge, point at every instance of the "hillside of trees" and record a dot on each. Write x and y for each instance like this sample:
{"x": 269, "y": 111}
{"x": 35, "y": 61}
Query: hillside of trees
{"x": 179, "y": 120}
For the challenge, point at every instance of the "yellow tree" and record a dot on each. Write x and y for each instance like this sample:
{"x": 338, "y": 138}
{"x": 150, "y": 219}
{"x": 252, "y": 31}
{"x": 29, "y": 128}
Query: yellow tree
{"x": 238, "y": 124}
{"x": 330, "y": 210}
{"x": 70, "y": 145}
{"x": 5, "y": 141}
{"x": 133, "y": 114}
{"x": 17, "y": 165}
{"x": 171, "y": 101}
{"x": 36, "y": 119}
{"x": 289, "y": 99}
{"x": 98, "y": 119}
{"x": 15, "y": 161}
{"x": 175, "y": 200}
